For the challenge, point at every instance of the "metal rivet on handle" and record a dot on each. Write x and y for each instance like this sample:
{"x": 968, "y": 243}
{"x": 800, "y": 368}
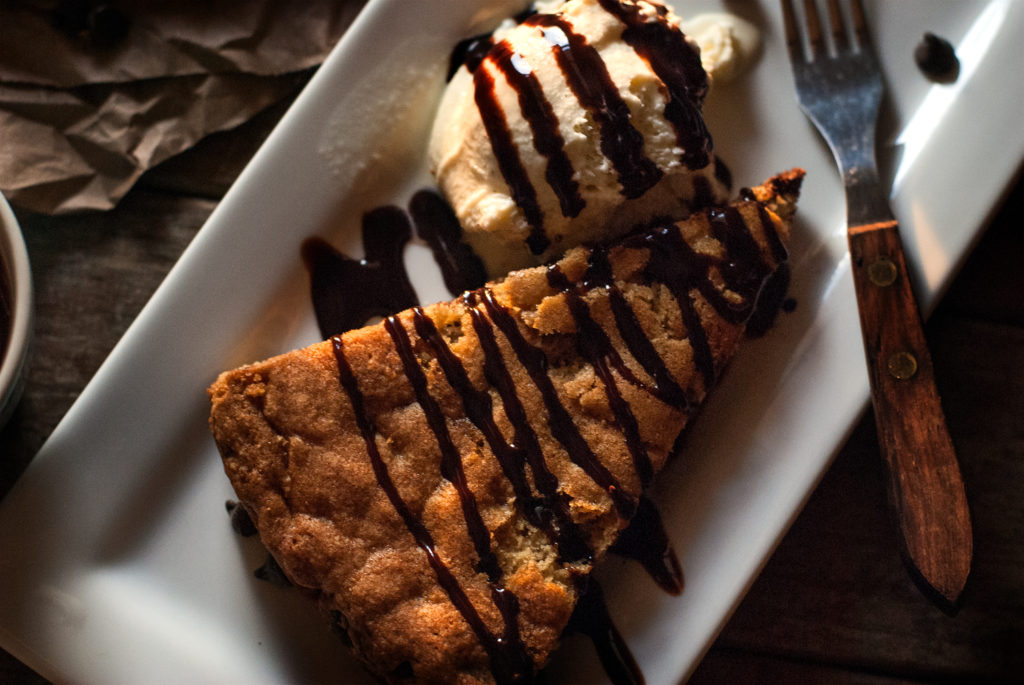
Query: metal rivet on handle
{"x": 882, "y": 272}
{"x": 902, "y": 366}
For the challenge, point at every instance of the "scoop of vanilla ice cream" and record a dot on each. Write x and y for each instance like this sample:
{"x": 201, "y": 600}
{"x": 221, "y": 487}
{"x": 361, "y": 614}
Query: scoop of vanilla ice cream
{"x": 575, "y": 126}
{"x": 728, "y": 44}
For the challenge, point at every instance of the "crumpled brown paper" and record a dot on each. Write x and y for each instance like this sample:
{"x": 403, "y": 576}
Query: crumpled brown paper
{"x": 92, "y": 95}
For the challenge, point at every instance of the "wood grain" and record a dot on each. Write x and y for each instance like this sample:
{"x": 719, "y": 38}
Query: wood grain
{"x": 835, "y": 591}
{"x": 926, "y": 489}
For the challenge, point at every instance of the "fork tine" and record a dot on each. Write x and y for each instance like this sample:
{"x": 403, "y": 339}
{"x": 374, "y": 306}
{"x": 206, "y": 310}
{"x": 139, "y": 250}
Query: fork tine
{"x": 860, "y": 26}
{"x": 837, "y": 24}
{"x": 796, "y": 48}
{"x": 814, "y": 34}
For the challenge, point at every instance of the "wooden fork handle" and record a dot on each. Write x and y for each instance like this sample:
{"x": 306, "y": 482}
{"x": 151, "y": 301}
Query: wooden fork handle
{"x": 925, "y": 486}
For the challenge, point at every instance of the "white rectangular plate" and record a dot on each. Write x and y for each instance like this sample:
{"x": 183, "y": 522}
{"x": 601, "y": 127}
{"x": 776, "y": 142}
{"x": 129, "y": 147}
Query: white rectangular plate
{"x": 118, "y": 563}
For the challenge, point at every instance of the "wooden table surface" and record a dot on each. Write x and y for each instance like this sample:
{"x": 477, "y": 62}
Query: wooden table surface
{"x": 834, "y": 603}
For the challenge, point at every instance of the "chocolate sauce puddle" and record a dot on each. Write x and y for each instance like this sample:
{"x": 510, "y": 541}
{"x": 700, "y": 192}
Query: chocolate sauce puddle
{"x": 436, "y": 223}
{"x": 347, "y": 293}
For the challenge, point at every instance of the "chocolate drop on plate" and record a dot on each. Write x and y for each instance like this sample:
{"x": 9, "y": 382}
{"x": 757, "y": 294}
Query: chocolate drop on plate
{"x": 936, "y": 58}
{"x": 271, "y": 572}
{"x": 241, "y": 523}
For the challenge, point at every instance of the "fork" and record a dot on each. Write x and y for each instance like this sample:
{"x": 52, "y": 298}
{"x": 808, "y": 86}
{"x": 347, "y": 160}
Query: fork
{"x": 839, "y": 88}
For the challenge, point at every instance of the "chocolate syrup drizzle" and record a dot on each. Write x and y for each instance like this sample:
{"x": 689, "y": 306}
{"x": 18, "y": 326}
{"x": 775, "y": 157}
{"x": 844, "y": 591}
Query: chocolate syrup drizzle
{"x": 506, "y": 656}
{"x": 591, "y": 618}
{"x": 535, "y": 361}
{"x": 665, "y": 388}
{"x": 644, "y": 540}
{"x": 661, "y": 45}
{"x": 539, "y": 114}
{"x": 675, "y": 264}
{"x": 509, "y": 161}
{"x": 596, "y": 347}
{"x": 688, "y": 276}
{"x": 550, "y": 511}
{"x": 589, "y": 80}
{"x": 665, "y": 49}
{"x": 347, "y": 293}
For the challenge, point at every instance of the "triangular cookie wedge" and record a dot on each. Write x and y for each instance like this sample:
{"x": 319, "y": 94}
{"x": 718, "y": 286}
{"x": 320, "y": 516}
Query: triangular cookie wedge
{"x": 444, "y": 481}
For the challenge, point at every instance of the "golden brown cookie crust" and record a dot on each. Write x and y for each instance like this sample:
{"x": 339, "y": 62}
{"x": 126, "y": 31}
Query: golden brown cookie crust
{"x": 293, "y": 450}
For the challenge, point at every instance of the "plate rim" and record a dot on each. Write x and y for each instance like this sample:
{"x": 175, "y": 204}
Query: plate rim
{"x": 151, "y": 311}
